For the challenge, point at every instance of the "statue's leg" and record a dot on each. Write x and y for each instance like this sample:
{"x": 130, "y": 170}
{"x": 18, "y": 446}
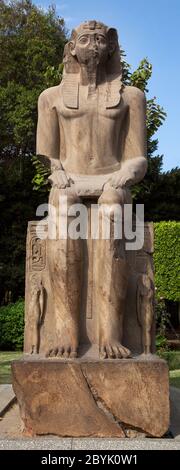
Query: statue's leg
{"x": 147, "y": 326}
{"x": 65, "y": 262}
{"x": 112, "y": 279}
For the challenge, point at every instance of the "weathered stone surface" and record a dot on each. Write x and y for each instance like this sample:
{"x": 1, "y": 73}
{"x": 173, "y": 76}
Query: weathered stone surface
{"x": 140, "y": 262}
{"x": 91, "y": 132}
{"x": 90, "y": 291}
{"x": 92, "y": 398}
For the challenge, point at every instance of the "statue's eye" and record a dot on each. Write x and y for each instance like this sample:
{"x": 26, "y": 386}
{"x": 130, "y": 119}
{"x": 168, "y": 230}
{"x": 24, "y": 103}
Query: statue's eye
{"x": 101, "y": 39}
{"x": 83, "y": 40}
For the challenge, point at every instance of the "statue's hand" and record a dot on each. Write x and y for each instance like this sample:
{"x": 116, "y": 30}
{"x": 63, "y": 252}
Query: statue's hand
{"x": 122, "y": 179}
{"x": 59, "y": 179}
{"x": 131, "y": 172}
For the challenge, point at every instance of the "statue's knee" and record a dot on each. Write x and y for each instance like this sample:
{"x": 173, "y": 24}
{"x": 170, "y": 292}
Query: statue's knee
{"x": 71, "y": 199}
{"x": 65, "y": 197}
{"x": 113, "y": 196}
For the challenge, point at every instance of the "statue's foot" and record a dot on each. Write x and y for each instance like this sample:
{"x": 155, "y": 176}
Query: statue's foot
{"x": 113, "y": 350}
{"x": 63, "y": 351}
{"x": 34, "y": 350}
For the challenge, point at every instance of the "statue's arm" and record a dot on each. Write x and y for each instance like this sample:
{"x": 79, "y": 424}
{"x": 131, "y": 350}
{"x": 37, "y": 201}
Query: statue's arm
{"x": 48, "y": 138}
{"x": 134, "y": 159}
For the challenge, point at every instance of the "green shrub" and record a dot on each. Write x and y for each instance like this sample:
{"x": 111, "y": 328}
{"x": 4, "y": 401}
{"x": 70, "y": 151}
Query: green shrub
{"x": 162, "y": 321}
{"x": 161, "y": 343}
{"x": 12, "y": 326}
{"x": 172, "y": 358}
{"x": 167, "y": 260}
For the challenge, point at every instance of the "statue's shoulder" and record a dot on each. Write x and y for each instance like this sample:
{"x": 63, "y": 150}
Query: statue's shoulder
{"x": 48, "y": 96}
{"x": 130, "y": 93}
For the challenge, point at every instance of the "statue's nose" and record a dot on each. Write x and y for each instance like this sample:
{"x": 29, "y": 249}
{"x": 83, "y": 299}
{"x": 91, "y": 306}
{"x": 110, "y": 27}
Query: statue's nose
{"x": 93, "y": 43}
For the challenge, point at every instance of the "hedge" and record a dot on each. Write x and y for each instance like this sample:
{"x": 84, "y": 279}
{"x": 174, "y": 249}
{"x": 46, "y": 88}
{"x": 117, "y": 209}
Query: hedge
{"x": 12, "y": 326}
{"x": 167, "y": 260}
{"x": 172, "y": 358}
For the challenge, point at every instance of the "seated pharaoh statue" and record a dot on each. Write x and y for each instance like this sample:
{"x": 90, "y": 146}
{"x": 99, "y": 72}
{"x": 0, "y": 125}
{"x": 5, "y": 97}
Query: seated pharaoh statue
{"x": 91, "y": 129}
{"x": 89, "y": 367}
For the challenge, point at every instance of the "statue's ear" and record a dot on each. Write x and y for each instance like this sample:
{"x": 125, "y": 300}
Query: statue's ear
{"x": 69, "y": 59}
{"x": 72, "y": 48}
{"x": 112, "y": 40}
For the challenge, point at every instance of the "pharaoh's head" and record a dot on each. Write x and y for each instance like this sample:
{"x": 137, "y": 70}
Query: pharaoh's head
{"x": 92, "y": 41}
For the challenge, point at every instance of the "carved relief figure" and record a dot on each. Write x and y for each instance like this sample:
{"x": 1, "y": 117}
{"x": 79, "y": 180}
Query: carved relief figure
{"x": 37, "y": 302}
{"x": 38, "y": 254}
{"x": 91, "y": 129}
{"x": 145, "y": 310}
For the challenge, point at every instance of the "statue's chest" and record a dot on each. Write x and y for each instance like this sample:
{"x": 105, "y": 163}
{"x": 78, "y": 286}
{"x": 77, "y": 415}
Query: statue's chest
{"x": 90, "y": 108}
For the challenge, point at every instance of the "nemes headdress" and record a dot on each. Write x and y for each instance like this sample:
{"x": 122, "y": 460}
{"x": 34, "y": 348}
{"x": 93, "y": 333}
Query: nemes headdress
{"x": 112, "y": 90}
{"x": 113, "y": 62}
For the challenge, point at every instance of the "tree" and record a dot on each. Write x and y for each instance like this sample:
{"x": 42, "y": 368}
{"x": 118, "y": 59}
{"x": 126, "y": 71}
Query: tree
{"x": 31, "y": 49}
{"x": 159, "y": 191}
{"x": 31, "y": 40}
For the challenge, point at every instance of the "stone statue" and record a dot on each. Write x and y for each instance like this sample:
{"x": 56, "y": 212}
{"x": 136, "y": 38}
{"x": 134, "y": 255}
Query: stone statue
{"x": 37, "y": 309}
{"x": 145, "y": 310}
{"x": 91, "y": 130}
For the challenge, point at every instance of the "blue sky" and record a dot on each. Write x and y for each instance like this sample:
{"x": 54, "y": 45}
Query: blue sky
{"x": 147, "y": 28}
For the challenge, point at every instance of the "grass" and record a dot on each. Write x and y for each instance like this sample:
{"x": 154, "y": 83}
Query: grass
{"x": 172, "y": 358}
{"x": 175, "y": 378}
{"x": 5, "y": 365}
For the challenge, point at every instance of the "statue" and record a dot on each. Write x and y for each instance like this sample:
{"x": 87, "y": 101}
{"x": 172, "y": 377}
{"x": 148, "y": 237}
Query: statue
{"x": 91, "y": 130}
{"x": 145, "y": 309}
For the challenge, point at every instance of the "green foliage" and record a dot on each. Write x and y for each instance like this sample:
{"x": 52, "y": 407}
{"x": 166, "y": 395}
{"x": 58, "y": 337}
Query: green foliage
{"x": 155, "y": 118}
{"x": 5, "y": 365}
{"x": 40, "y": 179}
{"x": 167, "y": 260}
{"x": 155, "y": 113}
{"x": 17, "y": 206}
{"x": 161, "y": 343}
{"x": 172, "y": 358}
{"x": 30, "y": 37}
{"x": 12, "y": 326}
{"x": 141, "y": 75}
{"x": 53, "y": 75}
{"x": 162, "y": 322}
{"x": 159, "y": 191}
{"x": 162, "y": 316}
{"x": 31, "y": 47}
{"x": 174, "y": 378}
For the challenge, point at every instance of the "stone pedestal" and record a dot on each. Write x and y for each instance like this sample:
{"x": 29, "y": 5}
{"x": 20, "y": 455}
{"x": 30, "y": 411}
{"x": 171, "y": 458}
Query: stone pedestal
{"x": 87, "y": 397}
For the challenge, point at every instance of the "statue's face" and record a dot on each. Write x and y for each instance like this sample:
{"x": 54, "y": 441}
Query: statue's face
{"x": 91, "y": 45}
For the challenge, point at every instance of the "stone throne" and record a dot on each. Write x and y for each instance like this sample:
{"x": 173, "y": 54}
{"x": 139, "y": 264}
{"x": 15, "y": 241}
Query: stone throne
{"x": 140, "y": 262}
{"x": 89, "y": 367}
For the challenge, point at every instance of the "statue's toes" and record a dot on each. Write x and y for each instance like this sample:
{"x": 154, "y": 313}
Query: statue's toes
{"x": 54, "y": 352}
{"x": 60, "y": 351}
{"x": 117, "y": 352}
{"x": 73, "y": 354}
{"x": 124, "y": 352}
{"x": 109, "y": 350}
{"x": 48, "y": 353}
{"x": 102, "y": 352}
{"x": 67, "y": 352}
